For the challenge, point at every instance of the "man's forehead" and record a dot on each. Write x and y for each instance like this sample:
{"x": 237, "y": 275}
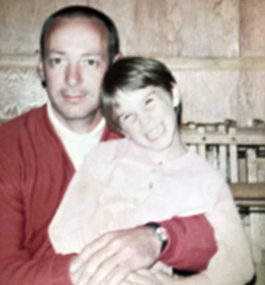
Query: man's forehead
{"x": 72, "y": 21}
{"x": 77, "y": 29}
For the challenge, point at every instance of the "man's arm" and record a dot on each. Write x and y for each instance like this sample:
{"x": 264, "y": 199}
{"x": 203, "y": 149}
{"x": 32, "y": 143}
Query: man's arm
{"x": 26, "y": 255}
{"x": 115, "y": 255}
{"x": 191, "y": 243}
{"x": 119, "y": 253}
{"x": 232, "y": 264}
{"x": 18, "y": 264}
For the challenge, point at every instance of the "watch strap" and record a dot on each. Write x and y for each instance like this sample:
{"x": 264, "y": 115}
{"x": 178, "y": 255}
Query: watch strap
{"x": 160, "y": 233}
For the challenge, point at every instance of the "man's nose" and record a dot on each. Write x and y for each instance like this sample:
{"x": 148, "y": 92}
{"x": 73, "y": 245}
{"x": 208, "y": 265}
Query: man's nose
{"x": 73, "y": 75}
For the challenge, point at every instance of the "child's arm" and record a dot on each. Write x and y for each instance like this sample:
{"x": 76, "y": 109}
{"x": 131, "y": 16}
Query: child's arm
{"x": 231, "y": 264}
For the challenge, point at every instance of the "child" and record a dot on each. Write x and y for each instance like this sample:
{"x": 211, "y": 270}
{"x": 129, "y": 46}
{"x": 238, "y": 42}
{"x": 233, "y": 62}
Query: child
{"x": 149, "y": 175}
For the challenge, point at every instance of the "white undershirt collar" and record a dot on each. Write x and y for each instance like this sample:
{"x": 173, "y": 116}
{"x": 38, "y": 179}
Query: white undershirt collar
{"x": 76, "y": 145}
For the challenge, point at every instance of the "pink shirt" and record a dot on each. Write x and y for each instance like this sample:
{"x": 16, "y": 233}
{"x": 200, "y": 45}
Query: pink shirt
{"x": 119, "y": 186}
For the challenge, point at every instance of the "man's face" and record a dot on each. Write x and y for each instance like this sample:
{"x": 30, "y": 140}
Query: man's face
{"x": 76, "y": 58}
{"x": 147, "y": 117}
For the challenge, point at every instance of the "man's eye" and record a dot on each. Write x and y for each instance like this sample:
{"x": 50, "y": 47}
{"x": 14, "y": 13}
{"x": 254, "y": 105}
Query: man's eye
{"x": 56, "y": 60}
{"x": 91, "y": 62}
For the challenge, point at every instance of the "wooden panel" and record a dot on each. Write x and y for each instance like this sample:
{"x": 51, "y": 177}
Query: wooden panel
{"x": 167, "y": 28}
{"x": 252, "y": 28}
{"x": 173, "y": 28}
{"x": 20, "y": 90}
{"x": 215, "y": 64}
{"x": 244, "y": 136}
{"x": 248, "y": 190}
{"x": 174, "y": 64}
{"x": 220, "y": 95}
{"x": 208, "y": 96}
{"x": 21, "y": 21}
{"x": 212, "y": 96}
{"x": 249, "y": 100}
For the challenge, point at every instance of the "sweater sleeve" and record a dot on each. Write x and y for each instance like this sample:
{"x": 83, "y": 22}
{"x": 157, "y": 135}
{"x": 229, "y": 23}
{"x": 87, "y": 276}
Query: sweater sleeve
{"x": 191, "y": 243}
{"x": 34, "y": 172}
{"x": 19, "y": 263}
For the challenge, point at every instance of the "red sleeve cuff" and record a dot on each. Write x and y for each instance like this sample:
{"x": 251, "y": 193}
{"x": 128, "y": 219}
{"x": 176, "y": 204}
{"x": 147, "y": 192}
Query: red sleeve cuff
{"x": 191, "y": 243}
{"x": 60, "y": 270}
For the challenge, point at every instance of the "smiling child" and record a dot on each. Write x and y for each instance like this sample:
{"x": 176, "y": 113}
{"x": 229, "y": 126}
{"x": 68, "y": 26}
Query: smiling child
{"x": 150, "y": 175}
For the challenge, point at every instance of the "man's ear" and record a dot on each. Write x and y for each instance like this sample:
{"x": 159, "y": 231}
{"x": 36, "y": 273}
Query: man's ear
{"x": 40, "y": 68}
{"x": 117, "y": 57}
{"x": 175, "y": 94}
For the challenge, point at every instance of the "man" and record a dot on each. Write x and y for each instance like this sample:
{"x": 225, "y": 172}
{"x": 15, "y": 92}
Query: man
{"x": 40, "y": 151}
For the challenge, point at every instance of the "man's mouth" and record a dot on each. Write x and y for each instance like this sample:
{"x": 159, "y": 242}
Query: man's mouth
{"x": 74, "y": 98}
{"x": 156, "y": 132}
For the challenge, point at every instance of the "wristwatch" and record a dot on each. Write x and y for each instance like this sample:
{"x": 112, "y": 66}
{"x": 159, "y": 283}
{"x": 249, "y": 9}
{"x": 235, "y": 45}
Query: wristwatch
{"x": 160, "y": 234}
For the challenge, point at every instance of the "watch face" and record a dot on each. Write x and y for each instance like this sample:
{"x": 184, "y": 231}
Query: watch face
{"x": 161, "y": 234}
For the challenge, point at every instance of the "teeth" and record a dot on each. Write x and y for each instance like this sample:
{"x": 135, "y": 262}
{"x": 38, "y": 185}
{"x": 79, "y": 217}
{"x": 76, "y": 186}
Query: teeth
{"x": 156, "y": 132}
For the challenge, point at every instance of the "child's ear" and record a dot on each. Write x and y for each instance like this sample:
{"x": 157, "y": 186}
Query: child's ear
{"x": 175, "y": 94}
{"x": 126, "y": 135}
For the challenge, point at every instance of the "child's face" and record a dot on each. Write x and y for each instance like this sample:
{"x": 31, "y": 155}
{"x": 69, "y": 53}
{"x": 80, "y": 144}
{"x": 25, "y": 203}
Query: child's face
{"x": 147, "y": 117}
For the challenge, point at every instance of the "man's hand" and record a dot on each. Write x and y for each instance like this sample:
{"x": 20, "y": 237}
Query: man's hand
{"x": 112, "y": 257}
{"x": 150, "y": 277}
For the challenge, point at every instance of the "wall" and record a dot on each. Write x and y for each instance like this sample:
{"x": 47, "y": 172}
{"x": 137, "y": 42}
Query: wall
{"x": 216, "y": 49}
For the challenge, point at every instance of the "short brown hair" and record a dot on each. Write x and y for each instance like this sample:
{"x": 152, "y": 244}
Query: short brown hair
{"x": 85, "y": 12}
{"x": 129, "y": 74}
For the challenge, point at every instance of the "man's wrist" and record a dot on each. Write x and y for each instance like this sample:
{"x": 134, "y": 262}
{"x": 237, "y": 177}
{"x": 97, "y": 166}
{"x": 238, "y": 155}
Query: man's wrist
{"x": 160, "y": 233}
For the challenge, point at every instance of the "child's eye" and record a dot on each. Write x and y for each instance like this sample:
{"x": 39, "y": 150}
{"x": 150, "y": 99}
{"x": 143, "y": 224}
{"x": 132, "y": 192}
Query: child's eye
{"x": 127, "y": 118}
{"x": 149, "y": 100}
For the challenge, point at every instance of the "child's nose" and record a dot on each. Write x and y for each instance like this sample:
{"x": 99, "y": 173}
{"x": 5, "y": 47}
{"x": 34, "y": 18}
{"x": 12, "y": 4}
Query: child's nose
{"x": 144, "y": 118}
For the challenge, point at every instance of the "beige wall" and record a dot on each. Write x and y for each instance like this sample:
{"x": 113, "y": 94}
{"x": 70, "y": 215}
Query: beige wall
{"x": 215, "y": 48}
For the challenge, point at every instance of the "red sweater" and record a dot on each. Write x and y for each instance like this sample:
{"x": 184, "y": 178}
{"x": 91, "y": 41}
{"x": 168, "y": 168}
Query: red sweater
{"x": 34, "y": 173}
